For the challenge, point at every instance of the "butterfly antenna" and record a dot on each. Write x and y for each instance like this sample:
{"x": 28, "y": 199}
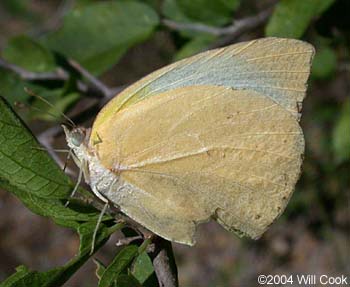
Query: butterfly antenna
{"x": 21, "y": 105}
{"x": 54, "y": 149}
{"x": 31, "y": 93}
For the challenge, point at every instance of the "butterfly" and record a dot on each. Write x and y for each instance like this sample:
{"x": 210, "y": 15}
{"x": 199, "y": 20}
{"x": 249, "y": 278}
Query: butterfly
{"x": 214, "y": 136}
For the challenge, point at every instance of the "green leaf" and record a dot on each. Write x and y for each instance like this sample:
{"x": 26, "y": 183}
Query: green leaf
{"x": 97, "y": 35}
{"x": 21, "y": 271}
{"x": 292, "y": 17}
{"x": 210, "y": 12}
{"x": 341, "y": 138}
{"x": 174, "y": 10}
{"x": 23, "y": 165}
{"x": 194, "y": 46}
{"x": 57, "y": 276}
{"x": 142, "y": 268}
{"x": 12, "y": 87}
{"x": 38, "y": 182}
{"x": 121, "y": 261}
{"x": 124, "y": 280}
{"x": 100, "y": 268}
{"x": 33, "y": 176}
{"x": 171, "y": 10}
{"x": 29, "y": 54}
{"x": 86, "y": 231}
{"x": 325, "y": 63}
{"x": 17, "y": 8}
{"x": 58, "y": 99}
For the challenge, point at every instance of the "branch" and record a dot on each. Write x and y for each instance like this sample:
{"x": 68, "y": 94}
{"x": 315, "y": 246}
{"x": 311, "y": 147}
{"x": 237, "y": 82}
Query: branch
{"x": 94, "y": 82}
{"x": 164, "y": 263}
{"x": 59, "y": 74}
{"x": 46, "y": 137}
{"x": 235, "y": 30}
{"x": 94, "y": 85}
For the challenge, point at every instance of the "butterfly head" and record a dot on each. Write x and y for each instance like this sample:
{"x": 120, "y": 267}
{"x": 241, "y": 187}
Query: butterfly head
{"x": 76, "y": 137}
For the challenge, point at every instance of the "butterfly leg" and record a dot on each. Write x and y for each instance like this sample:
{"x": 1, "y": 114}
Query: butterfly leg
{"x": 103, "y": 211}
{"x": 99, "y": 220}
{"x": 80, "y": 176}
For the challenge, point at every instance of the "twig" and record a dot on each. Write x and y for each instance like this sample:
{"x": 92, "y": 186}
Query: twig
{"x": 59, "y": 74}
{"x": 94, "y": 86}
{"x": 128, "y": 240}
{"x": 164, "y": 263}
{"x": 242, "y": 26}
{"x": 232, "y": 31}
{"x": 45, "y": 138}
{"x": 197, "y": 27}
{"x": 95, "y": 83}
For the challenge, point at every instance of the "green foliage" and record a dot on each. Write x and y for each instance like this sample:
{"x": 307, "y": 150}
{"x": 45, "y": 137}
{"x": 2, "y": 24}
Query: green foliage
{"x": 105, "y": 30}
{"x": 142, "y": 268}
{"x": 341, "y": 132}
{"x": 23, "y": 167}
{"x": 29, "y": 54}
{"x": 16, "y": 7}
{"x": 127, "y": 281}
{"x": 121, "y": 261}
{"x": 32, "y": 175}
{"x": 12, "y": 86}
{"x": 215, "y": 13}
{"x": 12, "y": 89}
{"x": 194, "y": 46}
{"x": 57, "y": 276}
{"x": 100, "y": 268}
{"x": 292, "y": 17}
{"x": 325, "y": 63}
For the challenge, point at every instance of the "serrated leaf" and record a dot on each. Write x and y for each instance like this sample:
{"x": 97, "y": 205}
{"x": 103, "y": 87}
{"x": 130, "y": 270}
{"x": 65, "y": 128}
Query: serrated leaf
{"x": 124, "y": 280}
{"x": 324, "y": 64}
{"x": 291, "y": 18}
{"x": 100, "y": 268}
{"x": 121, "y": 261}
{"x": 98, "y": 34}
{"x": 23, "y": 165}
{"x": 29, "y": 54}
{"x": 33, "y": 176}
{"x": 142, "y": 268}
{"x": 21, "y": 271}
{"x": 341, "y": 132}
{"x": 86, "y": 231}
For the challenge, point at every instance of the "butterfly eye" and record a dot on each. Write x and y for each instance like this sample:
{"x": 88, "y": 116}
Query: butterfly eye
{"x": 77, "y": 138}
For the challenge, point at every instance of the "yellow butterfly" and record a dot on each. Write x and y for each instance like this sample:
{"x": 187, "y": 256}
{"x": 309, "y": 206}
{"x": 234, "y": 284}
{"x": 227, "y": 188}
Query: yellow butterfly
{"x": 214, "y": 136}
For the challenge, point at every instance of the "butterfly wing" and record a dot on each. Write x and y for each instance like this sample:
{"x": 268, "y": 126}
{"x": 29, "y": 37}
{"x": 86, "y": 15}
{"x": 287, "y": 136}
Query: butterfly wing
{"x": 194, "y": 153}
{"x": 275, "y": 67}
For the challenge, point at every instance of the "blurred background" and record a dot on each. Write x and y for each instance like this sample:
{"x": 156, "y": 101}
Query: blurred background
{"x": 118, "y": 42}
